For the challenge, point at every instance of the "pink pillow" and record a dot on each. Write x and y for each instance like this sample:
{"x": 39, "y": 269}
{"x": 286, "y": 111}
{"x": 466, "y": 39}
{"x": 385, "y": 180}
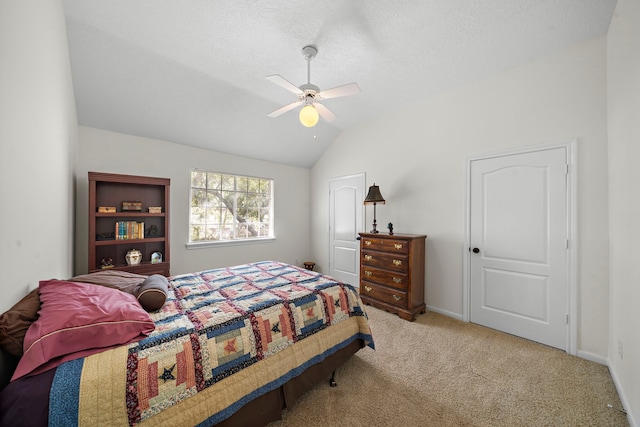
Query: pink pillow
{"x": 77, "y": 319}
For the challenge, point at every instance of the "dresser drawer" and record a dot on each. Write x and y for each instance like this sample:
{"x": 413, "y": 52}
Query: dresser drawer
{"x": 390, "y": 296}
{"x": 387, "y": 245}
{"x": 397, "y": 280}
{"x": 395, "y": 262}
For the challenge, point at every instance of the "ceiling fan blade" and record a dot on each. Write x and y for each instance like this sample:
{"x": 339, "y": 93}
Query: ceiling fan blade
{"x": 284, "y": 109}
{"x": 346, "y": 90}
{"x": 325, "y": 112}
{"x": 281, "y": 81}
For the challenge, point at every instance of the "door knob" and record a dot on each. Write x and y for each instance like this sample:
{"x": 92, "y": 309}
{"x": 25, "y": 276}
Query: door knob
{"x": 476, "y": 250}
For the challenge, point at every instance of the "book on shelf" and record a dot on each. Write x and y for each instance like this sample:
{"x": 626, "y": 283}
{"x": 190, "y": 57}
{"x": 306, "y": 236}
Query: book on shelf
{"x": 129, "y": 230}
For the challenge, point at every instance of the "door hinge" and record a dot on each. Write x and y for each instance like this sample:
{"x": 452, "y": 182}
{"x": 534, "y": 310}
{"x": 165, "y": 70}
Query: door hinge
{"x": 566, "y": 319}
{"x": 566, "y": 168}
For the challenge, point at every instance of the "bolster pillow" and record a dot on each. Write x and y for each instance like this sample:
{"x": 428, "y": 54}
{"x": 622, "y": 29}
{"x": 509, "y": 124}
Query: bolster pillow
{"x": 152, "y": 293}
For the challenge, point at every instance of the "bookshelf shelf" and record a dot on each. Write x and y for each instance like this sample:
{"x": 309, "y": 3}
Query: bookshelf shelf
{"x": 129, "y": 215}
{"x": 110, "y": 242}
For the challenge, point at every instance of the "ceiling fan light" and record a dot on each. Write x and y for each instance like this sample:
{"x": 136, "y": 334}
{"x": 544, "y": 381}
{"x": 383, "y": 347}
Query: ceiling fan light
{"x": 309, "y": 116}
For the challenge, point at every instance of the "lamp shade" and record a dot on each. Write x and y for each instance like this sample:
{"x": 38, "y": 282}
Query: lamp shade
{"x": 309, "y": 116}
{"x": 374, "y": 196}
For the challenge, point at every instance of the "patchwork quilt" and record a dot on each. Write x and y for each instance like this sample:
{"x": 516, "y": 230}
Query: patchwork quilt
{"x": 223, "y": 337}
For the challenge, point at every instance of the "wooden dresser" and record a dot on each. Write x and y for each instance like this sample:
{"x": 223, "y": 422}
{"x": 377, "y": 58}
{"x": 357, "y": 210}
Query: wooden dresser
{"x": 392, "y": 272}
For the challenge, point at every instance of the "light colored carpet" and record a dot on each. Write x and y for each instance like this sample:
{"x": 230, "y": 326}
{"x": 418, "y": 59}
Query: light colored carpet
{"x": 438, "y": 371}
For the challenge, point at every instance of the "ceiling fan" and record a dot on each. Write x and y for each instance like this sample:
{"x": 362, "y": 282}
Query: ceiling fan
{"x": 310, "y": 95}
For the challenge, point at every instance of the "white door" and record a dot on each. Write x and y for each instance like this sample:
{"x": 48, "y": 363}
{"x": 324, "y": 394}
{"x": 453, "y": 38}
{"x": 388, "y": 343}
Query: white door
{"x": 518, "y": 243}
{"x": 346, "y": 198}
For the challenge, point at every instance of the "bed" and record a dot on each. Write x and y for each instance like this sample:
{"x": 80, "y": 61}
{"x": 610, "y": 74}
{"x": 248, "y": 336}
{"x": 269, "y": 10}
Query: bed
{"x": 228, "y": 346}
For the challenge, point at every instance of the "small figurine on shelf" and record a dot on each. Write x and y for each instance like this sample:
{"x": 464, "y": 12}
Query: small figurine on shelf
{"x": 107, "y": 263}
{"x": 133, "y": 257}
{"x": 152, "y": 231}
{"x": 390, "y": 227}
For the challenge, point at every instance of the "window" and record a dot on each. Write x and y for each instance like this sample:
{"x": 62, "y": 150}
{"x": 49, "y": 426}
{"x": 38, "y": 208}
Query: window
{"x": 230, "y": 207}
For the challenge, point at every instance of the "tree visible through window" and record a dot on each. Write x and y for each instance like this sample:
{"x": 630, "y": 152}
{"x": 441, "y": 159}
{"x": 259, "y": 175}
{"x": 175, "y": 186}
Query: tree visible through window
{"x": 230, "y": 207}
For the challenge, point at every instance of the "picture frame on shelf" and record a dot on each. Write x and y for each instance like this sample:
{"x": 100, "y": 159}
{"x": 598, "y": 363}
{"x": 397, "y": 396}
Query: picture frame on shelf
{"x": 156, "y": 258}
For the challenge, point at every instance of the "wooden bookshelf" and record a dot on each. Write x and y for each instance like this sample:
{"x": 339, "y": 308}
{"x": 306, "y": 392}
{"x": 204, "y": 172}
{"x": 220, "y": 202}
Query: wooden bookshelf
{"x": 107, "y": 242}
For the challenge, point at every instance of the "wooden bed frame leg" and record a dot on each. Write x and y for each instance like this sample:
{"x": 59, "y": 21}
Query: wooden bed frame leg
{"x": 332, "y": 380}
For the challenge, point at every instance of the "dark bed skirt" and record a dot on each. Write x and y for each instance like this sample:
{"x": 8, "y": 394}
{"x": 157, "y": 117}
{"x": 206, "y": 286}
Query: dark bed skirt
{"x": 256, "y": 413}
{"x": 268, "y": 407}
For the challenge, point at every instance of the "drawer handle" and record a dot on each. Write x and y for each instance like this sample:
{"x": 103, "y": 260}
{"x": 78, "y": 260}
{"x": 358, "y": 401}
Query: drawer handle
{"x": 368, "y": 288}
{"x": 368, "y": 273}
{"x": 368, "y": 257}
{"x": 397, "y": 280}
{"x": 397, "y": 262}
{"x": 367, "y": 242}
{"x": 397, "y": 246}
{"x": 397, "y": 298}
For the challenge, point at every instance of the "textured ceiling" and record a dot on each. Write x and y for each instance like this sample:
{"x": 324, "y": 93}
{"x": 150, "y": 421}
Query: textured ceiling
{"x": 194, "y": 72}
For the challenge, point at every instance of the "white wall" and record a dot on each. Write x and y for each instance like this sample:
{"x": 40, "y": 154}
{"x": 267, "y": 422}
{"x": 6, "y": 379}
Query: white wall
{"x": 37, "y": 141}
{"x": 103, "y": 151}
{"x": 623, "y": 75}
{"x": 418, "y": 155}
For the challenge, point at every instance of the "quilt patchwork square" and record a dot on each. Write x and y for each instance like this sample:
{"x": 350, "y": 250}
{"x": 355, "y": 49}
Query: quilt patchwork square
{"x": 308, "y": 314}
{"x": 197, "y": 301}
{"x": 212, "y": 314}
{"x": 270, "y": 282}
{"x": 278, "y": 269}
{"x": 337, "y": 304}
{"x": 223, "y": 282}
{"x": 216, "y": 274}
{"x": 298, "y": 275}
{"x": 253, "y": 276}
{"x": 169, "y": 309}
{"x": 191, "y": 287}
{"x": 319, "y": 283}
{"x": 291, "y": 292}
{"x": 239, "y": 291}
{"x": 229, "y": 348}
{"x": 241, "y": 270}
{"x": 257, "y": 301}
{"x": 177, "y": 325}
{"x": 274, "y": 329}
{"x": 165, "y": 373}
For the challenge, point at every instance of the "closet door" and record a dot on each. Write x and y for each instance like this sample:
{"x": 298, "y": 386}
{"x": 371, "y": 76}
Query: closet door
{"x": 346, "y": 209}
{"x": 519, "y": 247}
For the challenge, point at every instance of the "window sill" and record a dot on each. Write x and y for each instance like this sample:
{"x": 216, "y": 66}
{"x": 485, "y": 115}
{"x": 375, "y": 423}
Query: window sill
{"x": 218, "y": 243}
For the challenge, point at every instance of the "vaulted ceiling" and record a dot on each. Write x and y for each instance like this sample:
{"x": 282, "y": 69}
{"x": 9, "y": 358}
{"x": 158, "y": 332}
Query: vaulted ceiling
{"x": 193, "y": 72}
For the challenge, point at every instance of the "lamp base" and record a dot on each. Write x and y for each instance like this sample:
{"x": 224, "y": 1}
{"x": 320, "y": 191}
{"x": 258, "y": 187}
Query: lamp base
{"x": 375, "y": 223}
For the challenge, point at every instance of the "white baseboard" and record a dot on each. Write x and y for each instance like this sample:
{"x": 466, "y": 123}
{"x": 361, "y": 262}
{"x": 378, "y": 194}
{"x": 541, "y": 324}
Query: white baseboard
{"x": 633, "y": 422}
{"x": 445, "y": 312}
{"x": 593, "y": 357}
